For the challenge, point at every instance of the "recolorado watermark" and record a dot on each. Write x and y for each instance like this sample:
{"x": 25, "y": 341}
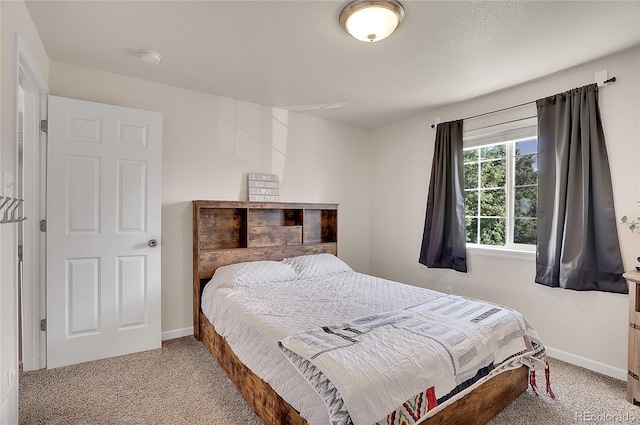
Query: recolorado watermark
{"x": 603, "y": 417}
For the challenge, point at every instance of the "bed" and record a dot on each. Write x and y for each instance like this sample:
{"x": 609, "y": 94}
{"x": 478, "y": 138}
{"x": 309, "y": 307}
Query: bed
{"x": 230, "y": 232}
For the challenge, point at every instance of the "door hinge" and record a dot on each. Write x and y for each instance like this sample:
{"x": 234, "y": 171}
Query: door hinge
{"x": 43, "y": 325}
{"x": 44, "y": 126}
{"x": 43, "y": 225}
{"x": 633, "y": 375}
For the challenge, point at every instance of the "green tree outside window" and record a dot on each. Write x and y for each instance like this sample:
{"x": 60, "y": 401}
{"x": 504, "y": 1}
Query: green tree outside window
{"x": 490, "y": 202}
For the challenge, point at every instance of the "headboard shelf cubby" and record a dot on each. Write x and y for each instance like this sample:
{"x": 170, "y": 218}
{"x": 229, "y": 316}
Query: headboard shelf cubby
{"x": 229, "y": 232}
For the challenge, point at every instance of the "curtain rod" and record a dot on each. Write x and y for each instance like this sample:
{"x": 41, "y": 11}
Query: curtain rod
{"x": 610, "y": 80}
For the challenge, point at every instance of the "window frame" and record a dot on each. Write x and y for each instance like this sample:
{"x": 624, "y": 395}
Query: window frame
{"x": 507, "y": 134}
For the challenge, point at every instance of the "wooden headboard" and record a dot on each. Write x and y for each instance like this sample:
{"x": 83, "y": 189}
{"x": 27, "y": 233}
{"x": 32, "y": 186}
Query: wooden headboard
{"x": 228, "y": 232}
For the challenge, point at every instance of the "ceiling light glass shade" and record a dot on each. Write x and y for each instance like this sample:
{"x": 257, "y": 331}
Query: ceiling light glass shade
{"x": 371, "y": 20}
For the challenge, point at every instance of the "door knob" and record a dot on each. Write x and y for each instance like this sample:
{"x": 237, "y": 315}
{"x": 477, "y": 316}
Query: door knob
{"x": 153, "y": 243}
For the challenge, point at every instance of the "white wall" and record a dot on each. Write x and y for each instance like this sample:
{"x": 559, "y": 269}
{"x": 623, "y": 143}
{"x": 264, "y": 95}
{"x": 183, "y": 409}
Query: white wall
{"x": 210, "y": 143}
{"x": 13, "y": 18}
{"x": 589, "y": 328}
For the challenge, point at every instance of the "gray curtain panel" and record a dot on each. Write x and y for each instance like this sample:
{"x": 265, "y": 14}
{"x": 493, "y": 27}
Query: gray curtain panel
{"x": 444, "y": 238}
{"x": 577, "y": 233}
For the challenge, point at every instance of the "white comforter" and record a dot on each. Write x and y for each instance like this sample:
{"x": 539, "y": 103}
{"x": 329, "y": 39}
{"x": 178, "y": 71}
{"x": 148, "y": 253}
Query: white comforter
{"x": 254, "y": 318}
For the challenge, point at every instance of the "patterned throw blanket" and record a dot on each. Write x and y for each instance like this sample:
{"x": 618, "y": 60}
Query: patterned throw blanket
{"x": 402, "y": 366}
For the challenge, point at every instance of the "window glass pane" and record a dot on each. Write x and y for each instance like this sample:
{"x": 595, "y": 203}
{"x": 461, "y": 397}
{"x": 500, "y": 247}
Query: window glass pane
{"x": 471, "y": 155}
{"x": 526, "y": 170}
{"x": 472, "y": 230}
{"x": 525, "y": 231}
{"x": 492, "y": 231}
{"x": 493, "y": 152}
{"x": 528, "y": 146}
{"x": 471, "y": 202}
{"x": 526, "y": 201}
{"x": 493, "y": 202}
{"x": 471, "y": 175}
{"x": 489, "y": 202}
{"x": 493, "y": 173}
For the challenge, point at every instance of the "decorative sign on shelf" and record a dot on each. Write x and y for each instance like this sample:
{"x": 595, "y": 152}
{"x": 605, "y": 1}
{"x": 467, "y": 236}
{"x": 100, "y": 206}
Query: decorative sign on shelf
{"x": 263, "y": 187}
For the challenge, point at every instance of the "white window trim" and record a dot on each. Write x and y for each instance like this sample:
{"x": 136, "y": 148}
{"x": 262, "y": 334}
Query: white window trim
{"x": 512, "y": 131}
{"x": 498, "y": 251}
{"x": 496, "y": 134}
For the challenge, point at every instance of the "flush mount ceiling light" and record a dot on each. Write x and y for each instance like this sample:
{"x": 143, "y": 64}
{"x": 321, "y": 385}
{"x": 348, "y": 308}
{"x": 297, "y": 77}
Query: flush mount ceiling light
{"x": 371, "y": 20}
{"x": 150, "y": 56}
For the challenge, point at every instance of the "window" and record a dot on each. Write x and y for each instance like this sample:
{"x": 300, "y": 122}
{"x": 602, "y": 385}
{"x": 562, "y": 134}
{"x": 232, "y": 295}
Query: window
{"x": 501, "y": 186}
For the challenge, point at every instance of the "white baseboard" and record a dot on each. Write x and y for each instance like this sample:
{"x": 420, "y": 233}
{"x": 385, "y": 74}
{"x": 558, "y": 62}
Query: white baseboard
{"x": 9, "y": 399}
{"x": 593, "y": 365}
{"x": 177, "y": 333}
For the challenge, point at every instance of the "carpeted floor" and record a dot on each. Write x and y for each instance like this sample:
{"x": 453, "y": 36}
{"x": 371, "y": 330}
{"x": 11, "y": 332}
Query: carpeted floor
{"x": 182, "y": 384}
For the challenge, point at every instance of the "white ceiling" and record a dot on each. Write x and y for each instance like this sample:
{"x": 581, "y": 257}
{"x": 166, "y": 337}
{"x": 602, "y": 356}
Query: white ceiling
{"x": 294, "y": 54}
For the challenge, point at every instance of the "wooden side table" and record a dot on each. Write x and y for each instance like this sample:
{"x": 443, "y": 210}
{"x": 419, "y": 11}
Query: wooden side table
{"x": 633, "y": 372}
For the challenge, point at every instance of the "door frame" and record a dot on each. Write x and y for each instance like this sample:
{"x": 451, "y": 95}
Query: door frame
{"x": 28, "y": 76}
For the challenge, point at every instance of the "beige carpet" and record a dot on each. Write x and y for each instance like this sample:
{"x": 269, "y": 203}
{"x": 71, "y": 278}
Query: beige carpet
{"x": 182, "y": 384}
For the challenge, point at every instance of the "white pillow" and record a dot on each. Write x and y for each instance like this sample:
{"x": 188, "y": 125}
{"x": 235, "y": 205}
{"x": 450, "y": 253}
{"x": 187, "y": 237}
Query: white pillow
{"x": 307, "y": 266}
{"x": 252, "y": 273}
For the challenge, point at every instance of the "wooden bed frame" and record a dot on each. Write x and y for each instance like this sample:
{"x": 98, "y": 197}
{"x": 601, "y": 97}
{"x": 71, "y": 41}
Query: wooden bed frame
{"x": 228, "y": 232}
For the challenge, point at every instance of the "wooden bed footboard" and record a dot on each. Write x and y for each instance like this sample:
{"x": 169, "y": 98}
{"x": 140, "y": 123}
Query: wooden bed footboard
{"x": 476, "y": 408}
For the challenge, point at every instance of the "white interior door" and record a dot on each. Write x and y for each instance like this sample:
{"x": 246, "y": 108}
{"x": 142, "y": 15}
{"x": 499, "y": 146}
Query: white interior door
{"x": 103, "y": 216}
